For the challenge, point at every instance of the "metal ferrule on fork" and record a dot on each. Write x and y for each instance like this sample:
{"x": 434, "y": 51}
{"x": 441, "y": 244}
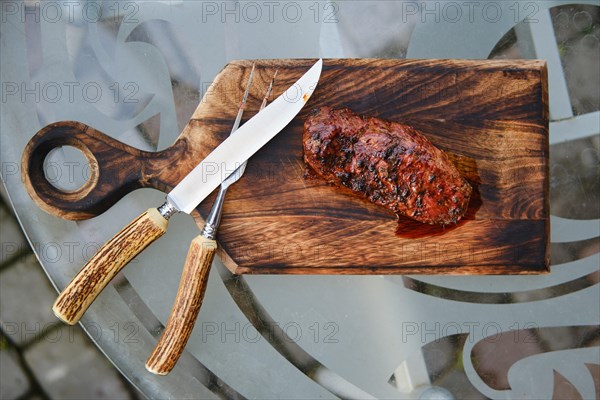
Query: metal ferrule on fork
{"x": 214, "y": 217}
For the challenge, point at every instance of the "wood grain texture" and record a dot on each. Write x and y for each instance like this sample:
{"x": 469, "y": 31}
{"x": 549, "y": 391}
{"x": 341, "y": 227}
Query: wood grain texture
{"x": 188, "y": 301}
{"x": 490, "y": 116}
{"x": 83, "y": 289}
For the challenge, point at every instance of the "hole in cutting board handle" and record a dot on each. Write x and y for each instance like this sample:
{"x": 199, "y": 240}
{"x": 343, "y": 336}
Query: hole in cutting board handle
{"x": 58, "y": 168}
{"x": 67, "y": 169}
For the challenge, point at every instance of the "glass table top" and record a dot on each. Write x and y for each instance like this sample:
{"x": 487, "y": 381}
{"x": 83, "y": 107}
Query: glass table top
{"x": 137, "y": 71}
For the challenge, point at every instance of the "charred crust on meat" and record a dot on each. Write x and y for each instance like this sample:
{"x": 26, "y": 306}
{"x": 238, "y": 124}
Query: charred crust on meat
{"x": 358, "y": 184}
{"x": 342, "y": 176}
{"x": 419, "y": 202}
{"x": 389, "y": 163}
{"x": 389, "y": 151}
{"x": 405, "y": 192}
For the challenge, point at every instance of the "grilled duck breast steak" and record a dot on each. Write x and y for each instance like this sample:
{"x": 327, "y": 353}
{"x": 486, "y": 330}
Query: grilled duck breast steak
{"x": 389, "y": 163}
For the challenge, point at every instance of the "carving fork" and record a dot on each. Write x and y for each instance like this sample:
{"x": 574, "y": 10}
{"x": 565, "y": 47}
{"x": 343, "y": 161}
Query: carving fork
{"x": 194, "y": 278}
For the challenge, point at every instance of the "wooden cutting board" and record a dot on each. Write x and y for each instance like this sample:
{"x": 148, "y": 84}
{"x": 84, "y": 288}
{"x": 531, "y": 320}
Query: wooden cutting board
{"x": 490, "y": 116}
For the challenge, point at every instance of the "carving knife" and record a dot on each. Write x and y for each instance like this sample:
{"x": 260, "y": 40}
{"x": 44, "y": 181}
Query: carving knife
{"x": 74, "y": 300}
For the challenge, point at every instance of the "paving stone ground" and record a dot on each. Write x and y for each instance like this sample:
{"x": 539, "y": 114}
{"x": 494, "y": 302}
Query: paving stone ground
{"x": 41, "y": 358}
{"x": 14, "y": 380}
{"x": 13, "y": 243}
{"x": 25, "y": 314}
{"x": 62, "y": 376}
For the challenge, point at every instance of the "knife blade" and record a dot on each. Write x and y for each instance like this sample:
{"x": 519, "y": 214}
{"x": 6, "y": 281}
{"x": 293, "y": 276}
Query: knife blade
{"x": 219, "y": 164}
{"x": 112, "y": 257}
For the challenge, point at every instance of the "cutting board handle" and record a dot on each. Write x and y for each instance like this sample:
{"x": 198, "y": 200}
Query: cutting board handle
{"x": 115, "y": 169}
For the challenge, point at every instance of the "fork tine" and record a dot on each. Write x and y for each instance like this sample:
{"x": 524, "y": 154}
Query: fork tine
{"x": 268, "y": 94}
{"x": 238, "y": 118}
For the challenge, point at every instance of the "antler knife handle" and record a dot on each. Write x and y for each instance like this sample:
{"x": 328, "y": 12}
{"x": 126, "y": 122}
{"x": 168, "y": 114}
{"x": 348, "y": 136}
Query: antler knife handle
{"x": 106, "y": 263}
{"x": 185, "y": 310}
